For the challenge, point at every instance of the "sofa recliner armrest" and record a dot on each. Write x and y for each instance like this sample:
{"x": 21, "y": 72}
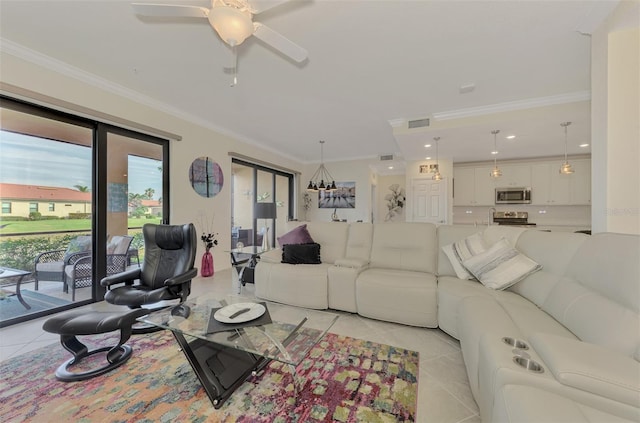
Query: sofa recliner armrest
{"x": 352, "y": 263}
{"x": 590, "y": 367}
{"x": 272, "y": 256}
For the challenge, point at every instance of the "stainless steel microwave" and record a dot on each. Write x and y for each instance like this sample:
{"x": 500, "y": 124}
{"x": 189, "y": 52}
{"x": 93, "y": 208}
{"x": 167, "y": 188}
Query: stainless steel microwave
{"x": 513, "y": 195}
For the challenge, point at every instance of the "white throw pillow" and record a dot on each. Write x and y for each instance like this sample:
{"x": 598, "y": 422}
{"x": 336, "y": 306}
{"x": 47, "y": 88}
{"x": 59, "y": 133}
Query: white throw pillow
{"x": 500, "y": 266}
{"x": 463, "y": 250}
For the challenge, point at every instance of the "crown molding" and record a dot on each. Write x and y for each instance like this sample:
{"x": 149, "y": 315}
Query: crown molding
{"x": 63, "y": 68}
{"x": 514, "y": 105}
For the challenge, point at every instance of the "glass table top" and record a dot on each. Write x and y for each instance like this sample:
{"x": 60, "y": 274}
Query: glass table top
{"x": 292, "y": 333}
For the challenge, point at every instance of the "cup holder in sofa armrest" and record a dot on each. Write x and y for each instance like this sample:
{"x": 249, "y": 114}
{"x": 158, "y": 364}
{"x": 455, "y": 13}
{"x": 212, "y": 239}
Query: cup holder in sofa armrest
{"x": 529, "y": 364}
{"x": 516, "y": 343}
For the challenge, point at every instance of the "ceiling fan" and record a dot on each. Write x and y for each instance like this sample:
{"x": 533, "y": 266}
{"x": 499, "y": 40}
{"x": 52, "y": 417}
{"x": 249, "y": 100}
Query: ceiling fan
{"x": 232, "y": 20}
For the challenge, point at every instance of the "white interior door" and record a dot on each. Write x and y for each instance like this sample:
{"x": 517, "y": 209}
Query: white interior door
{"x": 429, "y": 200}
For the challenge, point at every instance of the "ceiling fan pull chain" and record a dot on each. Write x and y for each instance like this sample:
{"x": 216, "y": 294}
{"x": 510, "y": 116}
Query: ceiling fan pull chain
{"x": 235, "y": 66}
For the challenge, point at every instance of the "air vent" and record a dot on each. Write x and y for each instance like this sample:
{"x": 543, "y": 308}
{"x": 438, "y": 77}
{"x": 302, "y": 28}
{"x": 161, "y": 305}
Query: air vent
{"x": 386, "y": 157}
{"x": 418, "y": 123}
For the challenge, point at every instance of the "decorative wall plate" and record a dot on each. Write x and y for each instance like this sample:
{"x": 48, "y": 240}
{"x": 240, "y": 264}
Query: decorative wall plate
{"x": 206, "y": 177}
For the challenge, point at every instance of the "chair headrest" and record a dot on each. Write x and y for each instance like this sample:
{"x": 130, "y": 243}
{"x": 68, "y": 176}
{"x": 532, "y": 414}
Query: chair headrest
{"x": 169, "y": 237}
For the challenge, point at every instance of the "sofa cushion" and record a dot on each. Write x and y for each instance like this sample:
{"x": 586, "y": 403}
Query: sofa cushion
{"x": 528, "y": 404}
{"x": 404, "y": 246}
{"x": 359, "y": 241}
{"x": 600, "y": 291}
{"x": 333, "y": 238}
{"x": 554, "y": 251}
{"x": 462, "y": 250}
{"x": 298, "y": 235}
{"x": 451, "y": 291}
{"x": 301, "y": 253}
{"x": 398, "y": 296}
{"x": 304, "y": 285}
{"x": 590, "y": 367}
{"x": 500, "y": 266}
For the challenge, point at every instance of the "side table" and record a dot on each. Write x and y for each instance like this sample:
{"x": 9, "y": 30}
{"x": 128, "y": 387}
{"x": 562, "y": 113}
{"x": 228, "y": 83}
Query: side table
{"x": 244, "y": 261}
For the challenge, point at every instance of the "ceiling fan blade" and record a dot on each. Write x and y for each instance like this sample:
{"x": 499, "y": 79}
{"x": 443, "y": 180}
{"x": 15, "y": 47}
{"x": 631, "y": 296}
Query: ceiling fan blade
{"x": 280, "y": 43}
{"x": 259, "y": 6}
{"x": 170, "y": 10}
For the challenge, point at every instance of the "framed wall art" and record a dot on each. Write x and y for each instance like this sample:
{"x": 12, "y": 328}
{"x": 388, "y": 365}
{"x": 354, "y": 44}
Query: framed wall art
{"x": 342, "y": 198}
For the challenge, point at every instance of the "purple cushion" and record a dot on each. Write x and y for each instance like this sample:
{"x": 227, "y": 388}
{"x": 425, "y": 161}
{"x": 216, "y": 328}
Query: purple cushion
{"x": 299, "y": 235}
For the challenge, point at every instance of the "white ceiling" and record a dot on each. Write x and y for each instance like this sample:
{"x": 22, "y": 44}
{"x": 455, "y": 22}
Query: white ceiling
{"x": 371, "y": 64}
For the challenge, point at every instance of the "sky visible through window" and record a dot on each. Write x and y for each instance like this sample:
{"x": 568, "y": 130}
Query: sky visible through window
{"x": 31, "y": 160}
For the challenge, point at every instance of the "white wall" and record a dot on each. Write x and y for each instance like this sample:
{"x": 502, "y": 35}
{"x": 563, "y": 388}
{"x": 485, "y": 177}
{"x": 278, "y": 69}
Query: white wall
{"x": 615, "y": 131}
{"x": 197, "y": 140}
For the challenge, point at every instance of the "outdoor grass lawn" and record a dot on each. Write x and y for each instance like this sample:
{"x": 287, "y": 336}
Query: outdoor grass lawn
{"x": 61, "y": 225}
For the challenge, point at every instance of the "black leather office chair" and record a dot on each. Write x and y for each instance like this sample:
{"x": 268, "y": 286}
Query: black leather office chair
{"x": 166, "y": 272}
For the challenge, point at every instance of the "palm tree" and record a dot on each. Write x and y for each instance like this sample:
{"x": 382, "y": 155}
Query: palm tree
{"x": 81, "y": 188}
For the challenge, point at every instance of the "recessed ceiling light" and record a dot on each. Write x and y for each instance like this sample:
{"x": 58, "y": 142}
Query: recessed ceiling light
{"x": 427, "y": 158}
{"x": 427, "y": 145}
{"x": 510, "y": 137}
{"x": 390, "y": 167}
{"x": 584, "y": 145}
{"x": 494, "y": 152}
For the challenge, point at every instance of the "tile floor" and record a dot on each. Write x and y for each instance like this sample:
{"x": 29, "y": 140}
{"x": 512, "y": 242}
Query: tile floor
{"x": 443, "y": 396}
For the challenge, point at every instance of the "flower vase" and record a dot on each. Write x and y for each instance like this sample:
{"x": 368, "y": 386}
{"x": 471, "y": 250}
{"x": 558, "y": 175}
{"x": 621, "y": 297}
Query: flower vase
{"x": 207, "y": 264}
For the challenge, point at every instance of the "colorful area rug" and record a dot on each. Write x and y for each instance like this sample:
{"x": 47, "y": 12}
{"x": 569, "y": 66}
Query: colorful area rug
{"x": 348, "y": 380}
{"x": 11, "y": 308}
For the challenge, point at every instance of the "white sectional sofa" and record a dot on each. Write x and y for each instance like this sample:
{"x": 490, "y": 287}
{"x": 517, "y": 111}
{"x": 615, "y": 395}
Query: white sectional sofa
{"x": 576, "y": 321}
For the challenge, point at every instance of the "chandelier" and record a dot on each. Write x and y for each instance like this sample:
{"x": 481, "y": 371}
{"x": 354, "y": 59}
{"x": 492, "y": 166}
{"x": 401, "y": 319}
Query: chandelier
{"x": 320, "y": 180}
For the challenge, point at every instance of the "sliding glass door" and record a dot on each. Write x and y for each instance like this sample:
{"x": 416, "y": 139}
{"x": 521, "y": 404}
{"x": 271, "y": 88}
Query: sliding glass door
{"x": 251, "y": 184}
{"x": 73, "y": 193}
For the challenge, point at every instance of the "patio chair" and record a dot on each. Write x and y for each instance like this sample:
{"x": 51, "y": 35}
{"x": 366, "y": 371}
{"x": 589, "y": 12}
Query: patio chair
{"x": 50, "y": 265}
{"x": 79, "y": 273}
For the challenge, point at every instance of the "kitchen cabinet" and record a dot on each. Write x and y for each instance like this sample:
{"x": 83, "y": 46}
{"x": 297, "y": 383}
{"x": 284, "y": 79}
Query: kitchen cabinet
{"x": 473, "y": 187}
{"x": 514, "y": 176}
{"x": 551, "y": 188}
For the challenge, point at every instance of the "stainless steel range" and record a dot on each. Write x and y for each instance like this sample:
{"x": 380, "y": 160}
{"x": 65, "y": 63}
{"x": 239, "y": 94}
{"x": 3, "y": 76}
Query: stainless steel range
{"x": 514, "y": 218}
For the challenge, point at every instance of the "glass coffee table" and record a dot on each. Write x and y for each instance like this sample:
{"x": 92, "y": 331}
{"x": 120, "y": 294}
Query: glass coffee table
{"x": 223, "y": 360}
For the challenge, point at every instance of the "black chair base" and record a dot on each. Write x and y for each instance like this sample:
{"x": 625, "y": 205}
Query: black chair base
{"x": 64, "y": 374}
{"x": 73, "y": 323}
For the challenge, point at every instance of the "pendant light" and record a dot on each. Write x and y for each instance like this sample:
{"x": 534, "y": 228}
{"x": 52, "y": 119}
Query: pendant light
{"x": 495, "y": 173}
{"x": 566, "y": 168}
{"x": 437, "y": 176}
{"x": 317, "y": 182}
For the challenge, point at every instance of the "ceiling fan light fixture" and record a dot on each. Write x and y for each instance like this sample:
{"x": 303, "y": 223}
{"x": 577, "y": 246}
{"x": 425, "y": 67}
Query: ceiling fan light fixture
{"x": 232, "y": 25}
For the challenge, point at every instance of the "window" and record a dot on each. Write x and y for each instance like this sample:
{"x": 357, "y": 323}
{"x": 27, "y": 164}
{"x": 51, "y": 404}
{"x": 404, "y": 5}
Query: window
{"x": 33, "y": 207}
{"x": 52, "y": 207}
{"x": 6, "y": 207}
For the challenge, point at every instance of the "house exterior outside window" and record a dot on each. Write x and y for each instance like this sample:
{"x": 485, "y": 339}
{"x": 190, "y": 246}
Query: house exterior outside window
{"x": 6, "y": 207}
